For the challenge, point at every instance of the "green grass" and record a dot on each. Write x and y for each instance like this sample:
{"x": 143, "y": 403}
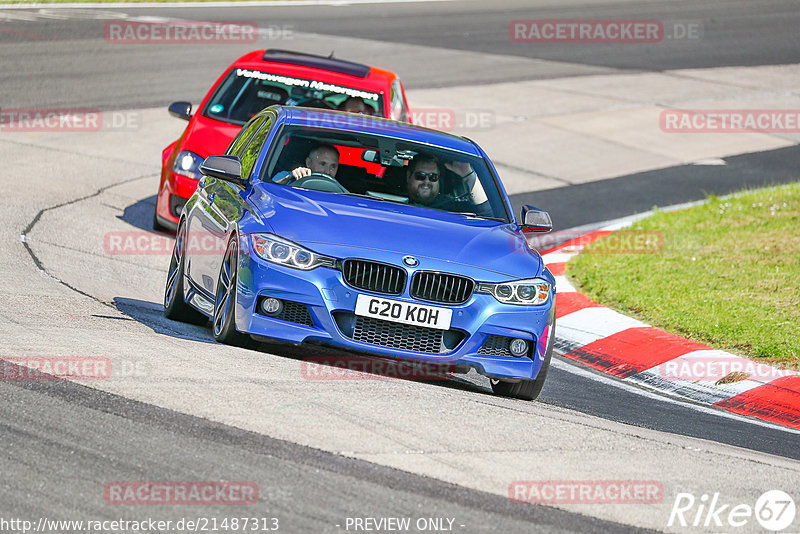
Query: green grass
{"x": 728, "y": 274}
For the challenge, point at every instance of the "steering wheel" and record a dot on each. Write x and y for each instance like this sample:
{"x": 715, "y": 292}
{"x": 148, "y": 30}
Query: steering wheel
{"x": 319, "y": 181}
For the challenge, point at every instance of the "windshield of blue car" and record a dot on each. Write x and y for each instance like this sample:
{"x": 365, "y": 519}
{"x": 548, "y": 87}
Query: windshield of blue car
{"x": 423, "y": 176}
{"x": 245, "y": 92}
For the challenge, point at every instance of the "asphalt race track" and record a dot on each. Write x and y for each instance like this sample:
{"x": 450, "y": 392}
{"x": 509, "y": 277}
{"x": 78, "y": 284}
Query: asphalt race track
{"x": 322, "y": 451}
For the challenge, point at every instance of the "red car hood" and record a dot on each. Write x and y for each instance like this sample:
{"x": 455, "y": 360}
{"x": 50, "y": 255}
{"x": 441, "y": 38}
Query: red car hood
{"x": 207, "y": 137}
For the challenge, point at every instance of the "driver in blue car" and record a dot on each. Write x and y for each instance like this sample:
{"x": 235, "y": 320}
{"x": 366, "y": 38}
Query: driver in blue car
{"x": 323, "y": 159}
{"x": 424, "y": 184}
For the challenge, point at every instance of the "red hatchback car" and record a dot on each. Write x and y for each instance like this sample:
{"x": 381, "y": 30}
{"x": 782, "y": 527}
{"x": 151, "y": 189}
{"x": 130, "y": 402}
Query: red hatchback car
{"x": 253, "y": 82}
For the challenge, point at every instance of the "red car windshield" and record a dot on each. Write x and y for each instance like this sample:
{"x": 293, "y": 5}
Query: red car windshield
{"x": 245, "y": 92}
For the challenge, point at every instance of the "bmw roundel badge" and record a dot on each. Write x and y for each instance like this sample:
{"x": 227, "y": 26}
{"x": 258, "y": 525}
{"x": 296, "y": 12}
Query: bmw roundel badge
{"x": 411, "y": 261}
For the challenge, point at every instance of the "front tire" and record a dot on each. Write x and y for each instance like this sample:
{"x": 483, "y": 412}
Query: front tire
{"x": 223, "y": 322}
{"x": 175, "y": 307}
{"x": 527, "y": 389}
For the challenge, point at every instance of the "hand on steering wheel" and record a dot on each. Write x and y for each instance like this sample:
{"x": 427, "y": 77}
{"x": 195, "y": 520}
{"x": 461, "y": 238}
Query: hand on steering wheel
{"x": 319, "y": 181}
{"x": 303, "y": 172}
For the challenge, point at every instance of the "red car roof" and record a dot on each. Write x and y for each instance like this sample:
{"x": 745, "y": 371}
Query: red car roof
{"x": 376, "y": 80}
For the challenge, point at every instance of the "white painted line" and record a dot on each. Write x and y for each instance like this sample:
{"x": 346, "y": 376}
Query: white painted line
{"x": 558, "y": 257}
{"x": 563, "y": 286}
{"x": 590, "y": 324}
{"x": 711, "y": 365}
{"x": 695, "y": 375}
{"x": 709, "y": 161}
{"x": 701, "y": 391}
{"x": 154, "y": 20}
{"x": 660, "y": 395}
{"x": 623, "y": 222}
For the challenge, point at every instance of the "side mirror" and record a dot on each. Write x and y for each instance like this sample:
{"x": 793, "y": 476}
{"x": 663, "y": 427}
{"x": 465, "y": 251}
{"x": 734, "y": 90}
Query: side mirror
{"x": 182, "y": 110}
{"x": 228, "y": 168}
{"x": 535, "y": 220}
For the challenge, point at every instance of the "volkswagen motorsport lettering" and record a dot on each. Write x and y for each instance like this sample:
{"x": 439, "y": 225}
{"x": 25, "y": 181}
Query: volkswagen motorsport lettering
{"x": 311, "y": 84}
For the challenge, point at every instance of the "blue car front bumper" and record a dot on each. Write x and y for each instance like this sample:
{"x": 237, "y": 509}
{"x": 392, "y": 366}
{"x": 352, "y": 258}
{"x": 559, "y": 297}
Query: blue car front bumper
{"x": 476, "y": 336}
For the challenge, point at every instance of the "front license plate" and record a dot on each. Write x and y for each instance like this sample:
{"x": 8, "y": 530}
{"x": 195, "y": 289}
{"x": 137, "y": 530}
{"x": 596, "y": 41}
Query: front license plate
{"x": 403, "y": 312}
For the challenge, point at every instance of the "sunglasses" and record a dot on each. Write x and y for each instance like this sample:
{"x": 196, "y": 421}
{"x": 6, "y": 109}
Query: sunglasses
{"x": 431, "y": 176}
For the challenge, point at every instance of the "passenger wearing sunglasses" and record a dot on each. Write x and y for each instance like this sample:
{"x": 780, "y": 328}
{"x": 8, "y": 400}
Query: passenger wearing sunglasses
{"x": 423, "y": 180}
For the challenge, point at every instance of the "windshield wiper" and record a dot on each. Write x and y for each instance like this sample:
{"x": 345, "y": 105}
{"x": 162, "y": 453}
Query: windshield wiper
{"x": 365, "y": 196}
{"x": 475, "y": 215}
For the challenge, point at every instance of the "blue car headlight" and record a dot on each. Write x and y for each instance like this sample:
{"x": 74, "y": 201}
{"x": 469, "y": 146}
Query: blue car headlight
{"x": 528, "y": 292}
{"x": 187, "y": 163}
{"x": 283, "y": 252}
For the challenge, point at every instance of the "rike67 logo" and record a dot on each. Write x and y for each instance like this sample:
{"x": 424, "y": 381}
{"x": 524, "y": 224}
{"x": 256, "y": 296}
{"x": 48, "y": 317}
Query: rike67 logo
{"x": 774, "y": 510}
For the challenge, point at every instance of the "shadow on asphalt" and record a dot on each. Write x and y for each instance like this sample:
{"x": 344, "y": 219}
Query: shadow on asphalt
{"x": 140, "y": 214}
{"x": 323, "y": 362}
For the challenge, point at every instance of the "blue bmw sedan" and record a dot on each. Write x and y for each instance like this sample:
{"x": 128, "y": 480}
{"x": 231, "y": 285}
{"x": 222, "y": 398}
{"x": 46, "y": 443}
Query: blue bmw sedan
{"x": 367, "y": 234}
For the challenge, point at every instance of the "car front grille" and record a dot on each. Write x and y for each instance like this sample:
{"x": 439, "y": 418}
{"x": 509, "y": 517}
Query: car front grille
{"x": 445, "y": 288}
{"x": 397, "y": 335}
{"x": 374, "y": 276}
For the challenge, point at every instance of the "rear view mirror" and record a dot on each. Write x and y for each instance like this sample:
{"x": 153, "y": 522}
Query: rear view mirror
{"x": 182, "y": 110}
{"x": 370, "y": 156}
{"x": 535, "y": 220}
{"x": 228, "y": 168}
{"x": 390, "y": 158}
